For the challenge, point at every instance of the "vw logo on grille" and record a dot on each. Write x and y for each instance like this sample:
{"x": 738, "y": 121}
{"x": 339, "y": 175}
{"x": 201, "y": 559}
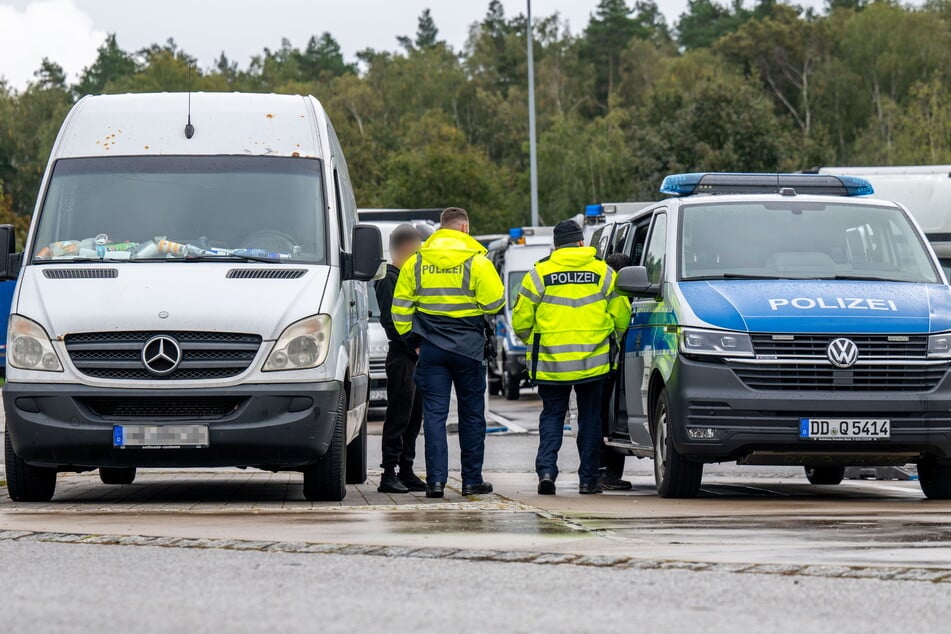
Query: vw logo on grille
{"x": 161, "y": 355}
{"x": 842, "y": 352}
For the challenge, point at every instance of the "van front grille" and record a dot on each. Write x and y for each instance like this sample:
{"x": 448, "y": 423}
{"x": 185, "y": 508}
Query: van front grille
{"x": 190, "y": 407}
{"x": 205, "y": 355}
{"x": 870, "y": 346}
{"x": 823, "y": 376}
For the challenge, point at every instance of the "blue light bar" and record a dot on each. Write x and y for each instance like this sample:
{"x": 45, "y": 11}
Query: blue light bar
{"x": 752, "y": 183}
{"x": 516, "y": 232}
{"x": 593, "y": 211}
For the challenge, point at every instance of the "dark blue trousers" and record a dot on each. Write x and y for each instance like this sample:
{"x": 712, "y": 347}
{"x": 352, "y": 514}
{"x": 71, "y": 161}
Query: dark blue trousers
{"x": 437, "y": 372}
{"x": 551, "y": 425}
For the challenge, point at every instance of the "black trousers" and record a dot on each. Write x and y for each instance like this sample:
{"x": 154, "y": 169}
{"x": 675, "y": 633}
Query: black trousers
{"x": 404, "y": 411}
{"x": 611, "y": 461}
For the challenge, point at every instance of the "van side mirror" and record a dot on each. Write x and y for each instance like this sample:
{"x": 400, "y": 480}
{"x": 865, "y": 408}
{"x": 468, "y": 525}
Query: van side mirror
{"x": 633, "y": 280}
{"x": 367, "y": 253}
{"x": 10, "y": 260}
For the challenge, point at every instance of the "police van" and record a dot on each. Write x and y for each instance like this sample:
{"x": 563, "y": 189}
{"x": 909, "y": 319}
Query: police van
{"x": 192, "y": 293}
{"x": 781, "y": 320}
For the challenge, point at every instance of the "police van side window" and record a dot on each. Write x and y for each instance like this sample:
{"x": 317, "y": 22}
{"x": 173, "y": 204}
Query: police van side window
{"x": 641, "y": 230}
{"x": 620, "y": 236}
{"x": 656, "y": 249}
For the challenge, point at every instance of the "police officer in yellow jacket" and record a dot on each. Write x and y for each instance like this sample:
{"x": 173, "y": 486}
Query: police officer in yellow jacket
{"x": 570, "y": 316}
{"x": 441, "y": 299}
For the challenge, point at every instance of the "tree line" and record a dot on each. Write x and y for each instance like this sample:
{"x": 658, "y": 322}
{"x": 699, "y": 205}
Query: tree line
{"x": 621, "y": 103}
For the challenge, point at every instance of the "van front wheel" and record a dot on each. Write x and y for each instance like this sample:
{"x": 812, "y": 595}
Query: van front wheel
{"x": 934, "y": 478}
{"x": 326, "y": 480}
{"x": 675, "y": 476}
{"x": 26, "y": 483}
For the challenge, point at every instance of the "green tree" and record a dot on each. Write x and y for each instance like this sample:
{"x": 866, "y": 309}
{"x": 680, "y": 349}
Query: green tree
{"x": 112, "y": 63}
{"x": 706, "y": 21}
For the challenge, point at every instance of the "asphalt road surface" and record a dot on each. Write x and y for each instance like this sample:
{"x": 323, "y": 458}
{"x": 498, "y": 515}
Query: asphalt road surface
{"x": 71, "y": 587}
{"x": 760, "y": 550}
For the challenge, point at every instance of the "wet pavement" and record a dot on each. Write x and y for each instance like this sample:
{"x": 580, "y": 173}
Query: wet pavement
{"x": 746, "y": 518}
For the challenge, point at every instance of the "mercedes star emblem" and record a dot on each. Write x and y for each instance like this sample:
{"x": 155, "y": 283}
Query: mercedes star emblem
{"x": 161, "y": 355}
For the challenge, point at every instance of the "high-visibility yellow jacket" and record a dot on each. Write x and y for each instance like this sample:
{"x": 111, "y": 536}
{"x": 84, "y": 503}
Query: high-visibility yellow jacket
{"x": 450, "y": 277}
{"x": 568, "y": 313}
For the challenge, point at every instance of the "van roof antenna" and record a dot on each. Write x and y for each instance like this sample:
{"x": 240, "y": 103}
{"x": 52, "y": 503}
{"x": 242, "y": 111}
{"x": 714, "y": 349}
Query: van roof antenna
{"x": 189, "y": 128}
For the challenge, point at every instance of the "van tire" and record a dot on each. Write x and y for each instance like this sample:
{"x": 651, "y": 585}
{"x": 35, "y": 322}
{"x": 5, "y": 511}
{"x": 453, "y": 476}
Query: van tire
{"x": 825, "y": 474}
{"x": 326, "y": 480}
{"x": 512, "y": 384}
{"x": 934, "y": 478}
{"x": 25, "y": 482}
{"x": 357, "y": 456}
{"x": 675, "y": 475}
{"x": 117, "y": 475}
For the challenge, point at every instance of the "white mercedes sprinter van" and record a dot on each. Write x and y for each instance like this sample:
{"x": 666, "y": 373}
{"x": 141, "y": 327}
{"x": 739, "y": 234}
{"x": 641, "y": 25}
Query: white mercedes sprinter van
{"x": 192, "y": 293}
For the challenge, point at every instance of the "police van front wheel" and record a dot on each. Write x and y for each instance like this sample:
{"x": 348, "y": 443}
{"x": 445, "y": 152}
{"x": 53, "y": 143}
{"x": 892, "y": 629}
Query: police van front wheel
{"x": 934, "y": 478}
{"x": 675, "y": 475}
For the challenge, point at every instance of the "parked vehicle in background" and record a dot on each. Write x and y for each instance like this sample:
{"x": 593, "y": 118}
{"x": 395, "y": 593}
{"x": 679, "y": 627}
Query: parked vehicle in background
{"x": 6, "y": 300}
{"x": 192, "y": 293}
{"x": 597, "y": 215}
{"x": 509, "y": 373}
{"x": 422, "y": 219}
{"x": 782, "y": 320}
{"x": 925, "y": 190}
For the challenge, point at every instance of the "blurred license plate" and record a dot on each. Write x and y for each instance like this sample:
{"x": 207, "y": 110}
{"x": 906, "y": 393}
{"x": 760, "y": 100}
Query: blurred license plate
{"x": 377, "y": 395}
{"x": 160, "y": 436}
{"x": 844, "y": 429}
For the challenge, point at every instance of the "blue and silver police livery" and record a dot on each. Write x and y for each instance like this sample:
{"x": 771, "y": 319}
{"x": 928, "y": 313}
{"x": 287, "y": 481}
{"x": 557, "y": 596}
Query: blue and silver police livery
{"x": 782, "y": 319}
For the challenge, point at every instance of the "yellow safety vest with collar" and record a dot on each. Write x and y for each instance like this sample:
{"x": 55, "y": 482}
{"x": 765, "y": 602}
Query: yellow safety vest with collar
{"x": 569, "y": 315}
{"x": 450, "y": 277}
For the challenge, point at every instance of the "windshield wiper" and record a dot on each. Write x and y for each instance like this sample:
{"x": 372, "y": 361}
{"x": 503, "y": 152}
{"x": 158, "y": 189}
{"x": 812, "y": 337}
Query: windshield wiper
{"x": 861, "y": 278}
{"x": 231, "y": 256}
{"x": 733, "y": 276}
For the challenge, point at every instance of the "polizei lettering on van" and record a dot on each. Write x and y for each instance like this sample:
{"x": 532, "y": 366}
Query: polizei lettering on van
{"x": 835, "y": 303}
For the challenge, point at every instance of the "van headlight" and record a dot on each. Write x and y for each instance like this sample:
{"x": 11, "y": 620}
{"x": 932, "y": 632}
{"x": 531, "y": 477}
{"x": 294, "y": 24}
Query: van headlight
{"x": 721, "y": 343}
{"x": 939, "y": 346}
{"x": 303, "y": 344}
{"x": 29, "y": 347}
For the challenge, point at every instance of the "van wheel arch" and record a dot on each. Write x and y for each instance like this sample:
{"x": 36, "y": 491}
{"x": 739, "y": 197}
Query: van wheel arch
{"x": 654, "y": 388}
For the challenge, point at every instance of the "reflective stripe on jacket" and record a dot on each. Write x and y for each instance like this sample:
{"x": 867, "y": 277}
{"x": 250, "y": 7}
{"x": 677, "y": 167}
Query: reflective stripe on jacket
{"x": 568, "y": 313}
{"x": 450, "y": 277}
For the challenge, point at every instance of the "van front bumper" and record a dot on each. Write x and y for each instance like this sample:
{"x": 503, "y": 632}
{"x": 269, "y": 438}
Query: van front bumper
{"x": 271, "y": 426}
{"x": 762, "y": 426}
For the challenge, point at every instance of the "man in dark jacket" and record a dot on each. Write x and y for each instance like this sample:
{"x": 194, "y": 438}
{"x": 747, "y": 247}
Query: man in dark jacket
{"x": 403, "y": 405}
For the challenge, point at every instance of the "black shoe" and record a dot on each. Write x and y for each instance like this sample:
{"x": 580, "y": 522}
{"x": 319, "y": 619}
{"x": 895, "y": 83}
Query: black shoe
{"x": 589, "y": 489}
{"x": 610, "y": 482}
{"x": 411, "y": 481}
{"x": 483, "y": 488}
{"x": 546, "y": 484}
{"x": 435, "y": 490}
{"x": 389, "y": 483}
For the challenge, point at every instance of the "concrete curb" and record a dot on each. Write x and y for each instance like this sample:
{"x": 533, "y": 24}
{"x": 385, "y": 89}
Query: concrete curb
{"x": 932, "y": 575}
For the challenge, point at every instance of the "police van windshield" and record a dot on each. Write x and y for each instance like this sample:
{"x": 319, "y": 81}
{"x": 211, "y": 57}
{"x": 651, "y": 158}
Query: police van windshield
{"x": 801, "y": 240}
{"x": 183, "y": 208}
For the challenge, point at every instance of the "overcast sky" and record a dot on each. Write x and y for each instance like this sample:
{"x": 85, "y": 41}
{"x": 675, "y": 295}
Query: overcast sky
{"x": 69, "y": 31}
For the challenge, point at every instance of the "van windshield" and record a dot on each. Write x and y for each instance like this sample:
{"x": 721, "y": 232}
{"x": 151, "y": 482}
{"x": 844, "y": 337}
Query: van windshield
{"x": 183, "y": 208}
{"x": 801, "y": 240}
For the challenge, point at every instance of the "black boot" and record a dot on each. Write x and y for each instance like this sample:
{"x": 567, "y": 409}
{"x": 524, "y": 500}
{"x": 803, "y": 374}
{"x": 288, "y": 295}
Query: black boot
{"x": 411, "y": 481}
{"x": 390, "y": 483}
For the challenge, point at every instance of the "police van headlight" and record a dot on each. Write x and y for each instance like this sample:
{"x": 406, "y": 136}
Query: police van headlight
{"x": 29, "y": 347}
{"x": 939, "y": 346}
{"x": 720, "y": 343}
{"x": 302, "y": 345}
